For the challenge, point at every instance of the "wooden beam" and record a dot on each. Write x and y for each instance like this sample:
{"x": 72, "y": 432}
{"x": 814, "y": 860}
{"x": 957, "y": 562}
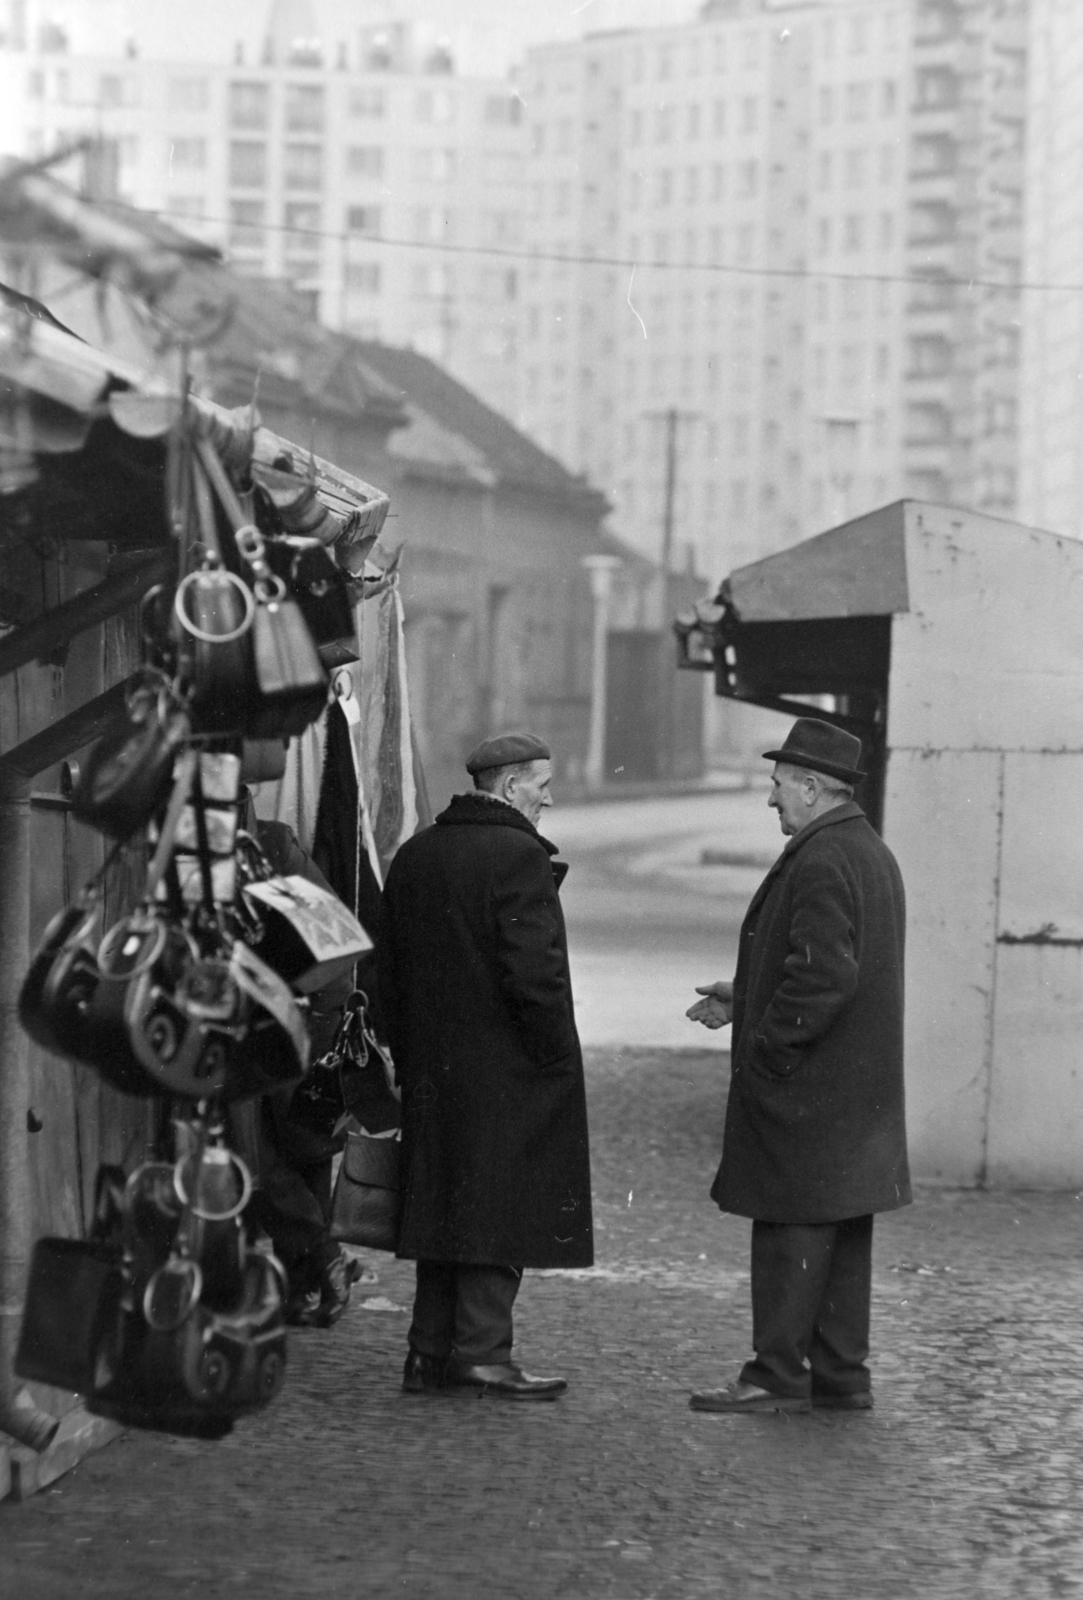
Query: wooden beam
{"x": 37, "y": 640}
{"x": 61, "y": 739}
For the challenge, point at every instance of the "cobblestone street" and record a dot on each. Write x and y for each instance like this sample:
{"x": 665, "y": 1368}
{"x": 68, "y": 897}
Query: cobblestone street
{"x": 966, "y": 1480}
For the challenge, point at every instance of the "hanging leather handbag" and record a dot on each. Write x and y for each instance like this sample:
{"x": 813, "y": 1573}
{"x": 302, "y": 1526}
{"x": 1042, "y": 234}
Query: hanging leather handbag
{"x": 309, "y": 936}
{"x": 215, "y": 610}
{"x": 320, "y": 587}
{"x": 126, "y": 777}
{"x": 289, "y": 682}
{"x": 366, "y": 1206}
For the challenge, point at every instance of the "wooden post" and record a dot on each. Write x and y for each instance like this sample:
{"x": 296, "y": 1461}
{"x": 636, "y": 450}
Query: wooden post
{"x": 19, "y": 1417}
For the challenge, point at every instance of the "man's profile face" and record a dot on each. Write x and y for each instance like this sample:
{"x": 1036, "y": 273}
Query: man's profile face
{"x": 787, "y": 797}
{"x": 528, "y": 790}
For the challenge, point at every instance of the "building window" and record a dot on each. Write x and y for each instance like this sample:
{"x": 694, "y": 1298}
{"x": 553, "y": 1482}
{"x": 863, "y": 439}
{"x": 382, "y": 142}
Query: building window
{"x": 246, "y": 225}
{"x": 888, "y": 97}
{"x": 750, "y": 173}
{"x": 663, "y": 124}
{"x": 825, "y": 170}
{"x": 434, "y": 166}
{"x": 190, "y": 207}
{"x": 718, "y": 117}
{"x": 718, "y": 182}
{"x": 363, "y": 276}
{"x": 853, "y": 233}
{"x": 249, "y": 105}
{"x": 691, "y": 185}
{"x": 364, "y": 220}
{"x": 823, "y": 236}
{"x": 187, "y": 94}
{"x": 826, "y": 106}
{"x": 365, "y": 160}
{"x": 745, "y": 236}
{"x": 247, "y": 164}
{"x": 303, "y": 222}
{"x": 302, "y": 166}
{"x": 887, "y": 230}
{"x": 692, "y": 122}
{"x": 190, "y": 153}
{"x": 663, "y": 190}
{"x": 857, "y": 101}
{"x": 503, "y": 110}
{"x": 304, "y": 108}
{"x": 435, "y": 105}
{"x": 855, "y": 167}
{"x": 110, "y": 90}
{"x": 366, "y": 101}
{"x": 750, "y": 108}
{"x": 432, "y": 223}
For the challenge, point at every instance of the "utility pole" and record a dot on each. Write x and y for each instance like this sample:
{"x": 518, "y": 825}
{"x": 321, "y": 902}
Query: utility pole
{"x": 672, "y": 417}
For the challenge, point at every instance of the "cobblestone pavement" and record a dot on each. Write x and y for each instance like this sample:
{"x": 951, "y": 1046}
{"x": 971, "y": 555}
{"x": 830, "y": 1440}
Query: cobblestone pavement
{"x": 967, "y": 1479}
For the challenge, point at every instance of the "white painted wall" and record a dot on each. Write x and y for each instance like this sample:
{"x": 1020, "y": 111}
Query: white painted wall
{"x": 985, "y": 776}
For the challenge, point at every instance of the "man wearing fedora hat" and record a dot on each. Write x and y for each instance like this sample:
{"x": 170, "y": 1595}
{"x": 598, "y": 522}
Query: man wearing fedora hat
{"x": 815, "y": 1139}
{"x": 475, "y": 988}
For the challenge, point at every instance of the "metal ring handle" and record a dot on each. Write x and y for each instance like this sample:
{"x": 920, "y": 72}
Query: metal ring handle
{"x": 118, "y": 933}
{"x": 270, "y": 590}
{"x": 200, "y": 633}
{"x": 216, "y": 1216}
{"x": 250, "y": 542}
{"x": 191, "y": 1271}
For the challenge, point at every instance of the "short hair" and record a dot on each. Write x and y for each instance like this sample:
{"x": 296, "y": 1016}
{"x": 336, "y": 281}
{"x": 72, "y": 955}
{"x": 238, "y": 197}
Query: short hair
{"x": 837, "y": 786}
{"x": 490, "y": 778}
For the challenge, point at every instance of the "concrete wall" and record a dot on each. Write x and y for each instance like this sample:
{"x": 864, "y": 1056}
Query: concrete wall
{"x": 985, "y": 734}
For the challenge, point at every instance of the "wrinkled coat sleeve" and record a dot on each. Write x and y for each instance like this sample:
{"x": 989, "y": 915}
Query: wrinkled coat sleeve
{"x": 531, "y": 960}
{"x": 820, "y": 972}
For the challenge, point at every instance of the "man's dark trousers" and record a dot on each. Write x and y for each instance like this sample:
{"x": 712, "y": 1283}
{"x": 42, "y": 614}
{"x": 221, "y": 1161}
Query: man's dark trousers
{"x": 811, "y": 1285}
{"x": 464, "y": 1310}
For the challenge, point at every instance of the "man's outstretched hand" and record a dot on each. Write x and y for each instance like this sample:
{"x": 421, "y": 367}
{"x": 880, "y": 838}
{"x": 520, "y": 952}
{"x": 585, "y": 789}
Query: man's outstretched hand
{"x": 715, "y": 1010}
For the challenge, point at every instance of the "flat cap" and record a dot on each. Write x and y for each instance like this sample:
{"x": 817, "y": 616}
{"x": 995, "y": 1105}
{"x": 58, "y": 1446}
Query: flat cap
{"x": 505, "y": 750}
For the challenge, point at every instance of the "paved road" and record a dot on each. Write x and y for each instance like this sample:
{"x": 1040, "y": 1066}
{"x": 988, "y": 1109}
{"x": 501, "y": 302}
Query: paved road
{"x": 967, "y": 1480}
{"x": 647, "y": 920}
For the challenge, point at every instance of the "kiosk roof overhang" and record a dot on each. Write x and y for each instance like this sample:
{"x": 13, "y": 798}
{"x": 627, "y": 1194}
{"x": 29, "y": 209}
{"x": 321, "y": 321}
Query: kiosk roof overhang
{"x": 855, "y": 570}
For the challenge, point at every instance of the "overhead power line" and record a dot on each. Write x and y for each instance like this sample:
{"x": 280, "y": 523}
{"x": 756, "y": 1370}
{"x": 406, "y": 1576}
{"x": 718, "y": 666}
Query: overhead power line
{"x": 630, "y": 263}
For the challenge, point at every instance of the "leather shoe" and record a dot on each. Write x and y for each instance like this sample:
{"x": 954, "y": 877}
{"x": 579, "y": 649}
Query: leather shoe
{"x": 423, "y": 1372}
{"x": 861, "y": 1400}
{"x": 504, "y": 1379}
{"x": 739, "y": 1397}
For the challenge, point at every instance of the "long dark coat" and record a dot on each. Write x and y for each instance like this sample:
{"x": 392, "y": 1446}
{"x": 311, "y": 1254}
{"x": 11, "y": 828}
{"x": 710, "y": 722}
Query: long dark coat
{"x": 815, "y": 1130}
{"x": 473, "y": 965}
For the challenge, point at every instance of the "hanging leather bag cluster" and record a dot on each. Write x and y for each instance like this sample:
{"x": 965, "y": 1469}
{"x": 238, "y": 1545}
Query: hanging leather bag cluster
{"x": 289, "y": 682}
{"x": 165, "y": 1317}
{"x": 128, "y": 774}
{"x": 165, "y": 1002}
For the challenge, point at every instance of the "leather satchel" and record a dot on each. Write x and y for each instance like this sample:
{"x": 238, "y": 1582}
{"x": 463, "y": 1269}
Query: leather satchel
{"x": 367, "y": 1203}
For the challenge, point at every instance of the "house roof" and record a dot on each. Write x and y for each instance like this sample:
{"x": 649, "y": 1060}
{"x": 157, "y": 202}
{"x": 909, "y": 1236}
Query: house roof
{"x": 454, "y": 433}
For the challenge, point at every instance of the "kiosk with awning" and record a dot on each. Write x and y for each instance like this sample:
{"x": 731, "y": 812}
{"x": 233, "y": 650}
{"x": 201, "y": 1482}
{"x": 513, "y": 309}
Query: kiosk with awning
{"x": 953, "y": 644}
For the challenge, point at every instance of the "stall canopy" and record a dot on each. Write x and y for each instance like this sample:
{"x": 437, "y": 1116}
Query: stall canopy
{"x": 810, "y": 623}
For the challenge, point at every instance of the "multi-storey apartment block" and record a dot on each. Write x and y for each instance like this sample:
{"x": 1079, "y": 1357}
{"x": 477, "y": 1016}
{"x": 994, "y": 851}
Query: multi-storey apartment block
{"x": 368, "y": 174}
{"x": 729, "y": 217}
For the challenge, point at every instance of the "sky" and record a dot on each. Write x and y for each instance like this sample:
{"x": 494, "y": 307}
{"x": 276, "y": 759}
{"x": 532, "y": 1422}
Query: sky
{"x": 487, "y": 36}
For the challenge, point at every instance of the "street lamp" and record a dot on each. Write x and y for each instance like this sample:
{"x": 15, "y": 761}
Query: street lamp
{"x": 601, "y": 569}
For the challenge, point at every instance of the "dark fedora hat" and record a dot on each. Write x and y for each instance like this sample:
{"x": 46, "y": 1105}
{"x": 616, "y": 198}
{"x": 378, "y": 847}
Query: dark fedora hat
{"x": 822, "y": 748}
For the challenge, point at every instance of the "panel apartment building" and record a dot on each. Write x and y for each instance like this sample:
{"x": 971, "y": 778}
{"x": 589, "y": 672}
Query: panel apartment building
{"x": 358, "y": 171}
{"x": 763, "y": 241}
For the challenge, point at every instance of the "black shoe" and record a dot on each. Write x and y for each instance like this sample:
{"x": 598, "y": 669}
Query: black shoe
{"x": 504, "y": 1379}
{"x": 336, "y": 1280}
{"x": 859, "y": 1400}
{"x": 423, "y": 1372}
{"x": 740, "y": 1398}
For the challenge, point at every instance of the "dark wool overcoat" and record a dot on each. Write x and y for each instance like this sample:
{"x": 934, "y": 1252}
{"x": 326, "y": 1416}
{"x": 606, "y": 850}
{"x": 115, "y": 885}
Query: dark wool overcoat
{"x": 815, "y": 1130}
{"x": 473, "y": 967}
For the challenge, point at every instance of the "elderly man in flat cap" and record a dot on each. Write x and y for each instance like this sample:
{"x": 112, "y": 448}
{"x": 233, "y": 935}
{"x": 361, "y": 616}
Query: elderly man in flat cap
{"x": 474, "y": 983}
{"x": 815, "y": 1139}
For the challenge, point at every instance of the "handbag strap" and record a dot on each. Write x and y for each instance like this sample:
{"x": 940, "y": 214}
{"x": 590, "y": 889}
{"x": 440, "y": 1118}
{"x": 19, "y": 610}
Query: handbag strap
{"x": 184, "y": 772}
